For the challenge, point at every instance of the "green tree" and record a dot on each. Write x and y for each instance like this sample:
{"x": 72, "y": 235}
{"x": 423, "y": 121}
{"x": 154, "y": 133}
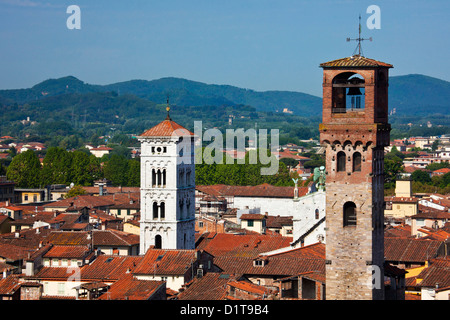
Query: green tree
{"x": 75, "y": 191}
{"x": 25, "y": 170}
{"x": 134, "y": 173}
{"x": 116, "y": 170}
{"x": 80, "y": 169}
{"x": 421, "y": 176}
{"x": 57, "y": 167}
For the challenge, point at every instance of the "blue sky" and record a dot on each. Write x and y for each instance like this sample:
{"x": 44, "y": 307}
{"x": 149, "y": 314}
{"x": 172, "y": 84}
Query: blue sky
{"x": 256, "y": 44}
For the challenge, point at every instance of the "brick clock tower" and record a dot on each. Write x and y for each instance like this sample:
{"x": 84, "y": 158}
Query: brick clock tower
{"x": 354, "y": 131}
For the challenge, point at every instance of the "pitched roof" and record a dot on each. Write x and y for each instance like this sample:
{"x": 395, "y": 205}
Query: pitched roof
{"x": 167, "y": 128}
{"x": 81, "y": 201}
{"x": 68, "y": 252}
{"x": 166, "y": 261}
{"x": 437, "y": 274}
{"x": 110, "y": 268}
{"x": 69, "y": 238}
{"x": 130, "y": 288}
{"x": 262, "y": 190}
{"x": 410, "y": 249}
{"x": 242, "y": 245}
{"x": 11, "y": 252}
{"x": 114, "y": 238}
{"x": 212, "y": 286}
{"x": 355, "y": 61}
{"x": 273, "y": 266}
{"x": 9, "y": 285}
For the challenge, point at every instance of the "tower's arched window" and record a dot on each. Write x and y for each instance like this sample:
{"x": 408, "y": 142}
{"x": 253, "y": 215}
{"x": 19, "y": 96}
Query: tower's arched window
{"x": 162, "y": 209}
{"x": 155, "y": 210}
{"x": 158, "y": 242}
{"x": 356, "y": 162}
{"x": 164, "y": 177}
{"x": 159, "y": 177}
{"x": 317, "y": 213}
{"x": 349, "y": 214}
{"x": 341, "y": 161}
{"x": 153, "y": 177}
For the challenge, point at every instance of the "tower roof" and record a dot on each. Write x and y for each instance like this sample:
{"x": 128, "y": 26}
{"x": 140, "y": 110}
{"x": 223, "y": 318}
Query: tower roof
{"x": 167, "y": 128}
{"x": 355, "y": 61}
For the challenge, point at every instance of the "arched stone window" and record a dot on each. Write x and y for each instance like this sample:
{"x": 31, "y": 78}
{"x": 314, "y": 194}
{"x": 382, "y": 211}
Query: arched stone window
{"x": 341, "y": 161}
{"x": 356, "y": 162}
{"x": 158, "y": 242}
{"x": 162, "y": 209}
{"x": 159, "y": 177}
{"x": 317, "y": 213}
{"x": 155, "y": 210}
{"x": 153, "y": 177}
{"x": 349, "y": 214}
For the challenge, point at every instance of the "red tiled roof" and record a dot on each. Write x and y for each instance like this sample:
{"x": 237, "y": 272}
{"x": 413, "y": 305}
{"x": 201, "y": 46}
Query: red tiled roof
{"x": 54, "y": 273}
{"x": 81, "y": 201}
{"x": 437, "y": 274}
{"x": 252, "y": 216}
{"x": 114, "y": 238}
{"x": 9, "y": 285}
{"x": 248, "y": 245}
{"x": 166, "y": 261}
{"x": 69, "y": 238}
{"x": 355, "y": 61}
{"x": 11, "y": 252}
{"x": 402, "y": 231}
{"x": 167, "y": 128}
{"x": 129, "y": 288}
{"x": 262, "y": 190}
{"x": 442, "y": 171}
{"x": 410, "y": 250}
{"x": 110, "y": 268}
{"x": 68, "y": 252}
{"x": 212, "y": 286}
{"x": 249, "y": 287}
{"x": 274, "y": 266}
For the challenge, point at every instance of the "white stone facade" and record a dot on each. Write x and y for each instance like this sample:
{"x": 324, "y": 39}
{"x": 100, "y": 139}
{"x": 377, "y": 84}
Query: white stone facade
{"x": 167, "y": 192}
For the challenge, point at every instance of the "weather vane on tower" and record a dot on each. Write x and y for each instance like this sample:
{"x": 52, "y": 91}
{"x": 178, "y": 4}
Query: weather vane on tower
{"x": 359, "y": 39}
{"x": 168, "y": 109}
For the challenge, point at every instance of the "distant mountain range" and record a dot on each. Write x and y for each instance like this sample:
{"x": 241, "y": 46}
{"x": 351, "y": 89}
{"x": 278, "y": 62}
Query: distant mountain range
{"x": 410, "y": 94}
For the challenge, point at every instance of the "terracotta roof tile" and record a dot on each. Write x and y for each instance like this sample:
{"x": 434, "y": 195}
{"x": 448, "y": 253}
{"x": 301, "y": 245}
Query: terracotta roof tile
{"x": 166, "y": 261}
{"x": 9, "y": 285}
{"x": 248, "y": 245}
{"x": 129, "y": 288}
{"x": 107, "y": 267}
{"x": 355, "y": 61}
{"x": 262, "y": 190}
{"x": 114, "y": 238}
{"x": 437, "y": 274}
{"x": 212, "y": 286}
{"x": 167, "y": 128}
{"x": 410, "y": 249}
{"x": 69, "y": 238}
{"x": 68, "y": 252}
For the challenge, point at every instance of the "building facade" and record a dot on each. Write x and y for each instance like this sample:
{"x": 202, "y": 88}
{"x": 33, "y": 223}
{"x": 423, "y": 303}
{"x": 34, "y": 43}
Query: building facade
{"x": 354, "y": 131}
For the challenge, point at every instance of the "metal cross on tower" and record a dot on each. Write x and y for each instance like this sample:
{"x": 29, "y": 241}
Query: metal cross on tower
{"x": 359, "y": 39}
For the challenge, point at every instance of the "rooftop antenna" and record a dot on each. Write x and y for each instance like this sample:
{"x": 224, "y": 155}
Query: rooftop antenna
{"x": 359, "y": 39}
{"x": 168, "y": 109}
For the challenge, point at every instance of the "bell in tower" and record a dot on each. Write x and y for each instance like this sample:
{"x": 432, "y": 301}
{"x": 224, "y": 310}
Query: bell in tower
{"x": 355, "y": 93}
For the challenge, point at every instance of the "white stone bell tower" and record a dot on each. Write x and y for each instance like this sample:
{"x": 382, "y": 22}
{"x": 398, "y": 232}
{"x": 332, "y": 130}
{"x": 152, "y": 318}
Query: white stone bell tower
{"x": 167, "y": 187}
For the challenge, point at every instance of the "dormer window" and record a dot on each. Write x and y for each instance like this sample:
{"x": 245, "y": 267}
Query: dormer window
{"x": 259, "y": 262}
